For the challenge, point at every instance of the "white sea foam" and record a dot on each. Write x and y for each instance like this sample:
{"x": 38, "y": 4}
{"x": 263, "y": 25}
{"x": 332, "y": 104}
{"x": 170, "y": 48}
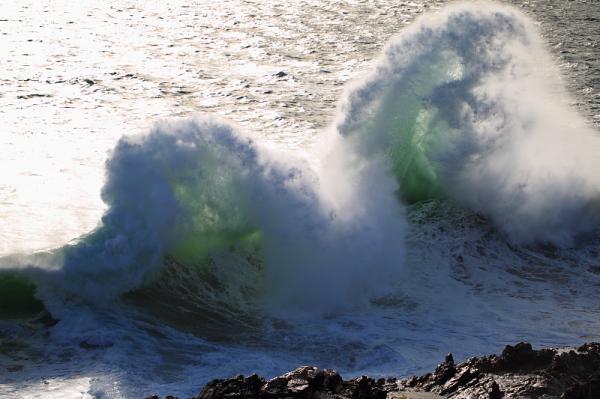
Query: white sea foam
{"x": 472, "y": 90}
{"x": 197, "y": 188}
{"x": 467, "y": 104}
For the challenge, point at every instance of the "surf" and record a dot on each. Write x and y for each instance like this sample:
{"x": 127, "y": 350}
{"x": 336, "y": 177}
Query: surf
{"x": 459, "y": 108}
{"x": 455, "y": 185}
{"x": 200, "y": 194}
{"x": 467, "y": 105}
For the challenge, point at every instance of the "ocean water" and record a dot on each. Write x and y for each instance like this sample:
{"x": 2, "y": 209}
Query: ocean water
{"x": 200, "y": 190}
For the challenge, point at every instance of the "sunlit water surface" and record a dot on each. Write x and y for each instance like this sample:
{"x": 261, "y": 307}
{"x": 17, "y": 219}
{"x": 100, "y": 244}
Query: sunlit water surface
{"x": 76, "y": 77}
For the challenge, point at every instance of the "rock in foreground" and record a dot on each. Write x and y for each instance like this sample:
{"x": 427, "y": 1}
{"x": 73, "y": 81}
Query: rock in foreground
{"x": 519, "y": 372}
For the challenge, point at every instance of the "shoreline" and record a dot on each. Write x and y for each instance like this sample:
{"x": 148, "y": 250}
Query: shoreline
{"x": 518, "y": 372}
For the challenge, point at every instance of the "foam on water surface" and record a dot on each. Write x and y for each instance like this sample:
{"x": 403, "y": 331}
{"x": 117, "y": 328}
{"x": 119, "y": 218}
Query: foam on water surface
{"x": 217, "y": 254}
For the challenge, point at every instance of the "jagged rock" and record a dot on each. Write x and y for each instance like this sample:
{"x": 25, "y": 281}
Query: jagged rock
{"x": 585, "y": 390}
{"x": 460, "y": 379}
{"x": 238, "y": 387}
{"x": 522, "y": 357}
{"x": 518, "y": 372}
{"x": 444, "y": 371}
{"x": 304, "y": 382}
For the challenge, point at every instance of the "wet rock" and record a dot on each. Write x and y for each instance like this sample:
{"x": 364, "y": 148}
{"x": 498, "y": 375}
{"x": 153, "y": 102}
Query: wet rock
{"x": 296, "y": 383}
{"x": 238, "y": 387}
{"x": 522, "y": 357}
{"x": 584, "y": 390}
{"x": 459, "y": 380}
{"x": 518, "y": 372}
{"x": 304, "y": 382}
{"x": 444, "y": 371}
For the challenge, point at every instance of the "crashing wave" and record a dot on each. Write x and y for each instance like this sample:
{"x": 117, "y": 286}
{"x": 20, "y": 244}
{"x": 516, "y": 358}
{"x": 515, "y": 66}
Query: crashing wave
{"x": 466, "y": 104}
{"x": 463, "y": 105}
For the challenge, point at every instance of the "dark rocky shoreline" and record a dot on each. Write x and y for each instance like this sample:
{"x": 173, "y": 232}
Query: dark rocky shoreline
{"x": 519, "y": 372}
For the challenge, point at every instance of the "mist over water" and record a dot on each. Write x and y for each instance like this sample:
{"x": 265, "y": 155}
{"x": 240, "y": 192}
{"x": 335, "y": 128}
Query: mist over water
{"x": 456, "y": 184}
{"x": 468, "y": 105}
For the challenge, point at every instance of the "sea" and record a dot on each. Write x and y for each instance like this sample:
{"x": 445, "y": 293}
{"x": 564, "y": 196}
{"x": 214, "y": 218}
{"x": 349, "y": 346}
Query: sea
{"x": 193, "y": 190}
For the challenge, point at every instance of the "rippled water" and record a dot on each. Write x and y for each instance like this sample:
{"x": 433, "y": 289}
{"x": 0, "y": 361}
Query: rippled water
{"x": 77, "y": 77}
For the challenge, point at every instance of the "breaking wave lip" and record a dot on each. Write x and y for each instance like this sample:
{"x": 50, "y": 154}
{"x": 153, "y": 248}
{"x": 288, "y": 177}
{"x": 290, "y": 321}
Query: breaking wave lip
{"x": 463, "y": 105}
{"x": 206, "y": 196}
{"x": 467, "y": 105}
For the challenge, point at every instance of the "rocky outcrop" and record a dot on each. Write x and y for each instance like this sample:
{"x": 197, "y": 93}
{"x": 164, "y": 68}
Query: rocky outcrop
{"x": 519, "y": 372}
{"x": 304, "y": 382}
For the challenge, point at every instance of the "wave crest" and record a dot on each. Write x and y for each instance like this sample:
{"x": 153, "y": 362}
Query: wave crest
{"x": 466, "y": 104}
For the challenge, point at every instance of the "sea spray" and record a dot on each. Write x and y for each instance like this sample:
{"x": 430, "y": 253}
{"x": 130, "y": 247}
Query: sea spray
{"x": 201, "y": 194}
{"x": 465, "y": 104}
{"x": 458, "y": 271}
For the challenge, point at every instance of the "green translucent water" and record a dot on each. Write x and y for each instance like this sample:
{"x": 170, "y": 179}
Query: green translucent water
{"x": 409, "y": 155}
{"x": 412, "y": 128}
{"x": 197, "y": 249}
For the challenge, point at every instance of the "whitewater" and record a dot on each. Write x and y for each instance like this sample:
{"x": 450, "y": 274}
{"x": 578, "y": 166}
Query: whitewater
{"x": 197, "y": 206}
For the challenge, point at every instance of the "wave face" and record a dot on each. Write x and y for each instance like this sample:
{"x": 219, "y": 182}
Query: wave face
{"x": 203, "y": 196}
{"x": 466, "y": 105}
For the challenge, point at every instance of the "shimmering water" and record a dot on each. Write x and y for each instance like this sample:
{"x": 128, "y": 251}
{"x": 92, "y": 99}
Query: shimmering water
{"x": 78, "y": 77}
